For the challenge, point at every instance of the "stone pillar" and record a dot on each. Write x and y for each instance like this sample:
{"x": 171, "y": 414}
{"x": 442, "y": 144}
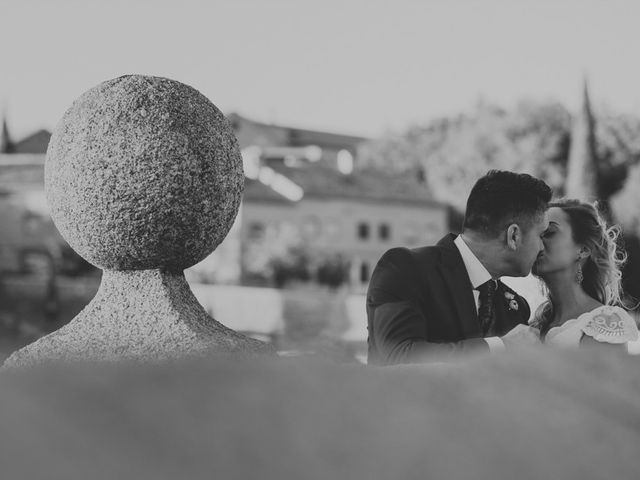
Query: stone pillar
{"x": 144, "y": 179}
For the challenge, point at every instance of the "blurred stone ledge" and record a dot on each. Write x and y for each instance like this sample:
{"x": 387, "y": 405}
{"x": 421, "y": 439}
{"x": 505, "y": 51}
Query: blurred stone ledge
{"x": 540, "y": 414}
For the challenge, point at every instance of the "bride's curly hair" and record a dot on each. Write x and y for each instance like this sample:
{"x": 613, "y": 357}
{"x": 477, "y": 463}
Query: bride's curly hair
{"x": 602, "y": 272}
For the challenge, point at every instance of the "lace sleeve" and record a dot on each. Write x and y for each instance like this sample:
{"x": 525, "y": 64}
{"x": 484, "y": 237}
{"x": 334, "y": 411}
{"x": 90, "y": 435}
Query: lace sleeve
{"x": 611, "y": 325}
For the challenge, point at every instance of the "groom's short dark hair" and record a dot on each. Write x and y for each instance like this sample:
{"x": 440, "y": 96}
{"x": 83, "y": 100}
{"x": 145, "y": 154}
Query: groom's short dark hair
{"x": 501, "y": 198}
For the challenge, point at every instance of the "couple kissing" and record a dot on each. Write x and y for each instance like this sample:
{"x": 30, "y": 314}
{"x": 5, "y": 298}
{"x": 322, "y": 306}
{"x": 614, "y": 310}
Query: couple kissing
{"x": 437, "y": 302}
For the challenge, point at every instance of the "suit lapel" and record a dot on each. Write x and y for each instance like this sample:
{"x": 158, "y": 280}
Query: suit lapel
{"x": 509, "y": 315}
{"x": 457, "y": 280}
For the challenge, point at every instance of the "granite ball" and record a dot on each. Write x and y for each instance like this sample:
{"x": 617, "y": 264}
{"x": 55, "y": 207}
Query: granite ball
{"x": 143, "y": 173}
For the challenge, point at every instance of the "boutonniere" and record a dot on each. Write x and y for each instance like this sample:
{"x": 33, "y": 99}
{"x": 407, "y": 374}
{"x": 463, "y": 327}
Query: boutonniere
{"x": 513, "y": 303}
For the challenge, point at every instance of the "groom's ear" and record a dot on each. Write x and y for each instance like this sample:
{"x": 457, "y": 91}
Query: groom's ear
{"x": 514, "y": 236}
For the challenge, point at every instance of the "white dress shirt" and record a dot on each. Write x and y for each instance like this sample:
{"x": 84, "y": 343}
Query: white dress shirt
{"x": 478, "y": 275}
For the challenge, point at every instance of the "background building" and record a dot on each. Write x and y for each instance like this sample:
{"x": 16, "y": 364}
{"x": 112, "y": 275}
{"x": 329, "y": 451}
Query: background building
{"x": 307, "y": 206}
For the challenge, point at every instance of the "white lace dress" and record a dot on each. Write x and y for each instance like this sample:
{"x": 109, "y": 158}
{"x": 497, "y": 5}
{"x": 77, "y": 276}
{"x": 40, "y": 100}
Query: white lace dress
{"x": 605, "y": 324}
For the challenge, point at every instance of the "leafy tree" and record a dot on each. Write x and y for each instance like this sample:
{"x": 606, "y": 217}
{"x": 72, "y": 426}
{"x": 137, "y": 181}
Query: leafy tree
{"x": 450, "y": 154}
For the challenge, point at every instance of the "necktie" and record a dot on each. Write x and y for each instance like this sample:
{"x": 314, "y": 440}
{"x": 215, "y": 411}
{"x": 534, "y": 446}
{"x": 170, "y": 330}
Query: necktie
{"x": 486, "y": 310}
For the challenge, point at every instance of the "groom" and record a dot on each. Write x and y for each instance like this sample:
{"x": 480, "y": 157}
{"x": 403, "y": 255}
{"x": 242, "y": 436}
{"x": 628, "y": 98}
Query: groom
{"x": 432, "y": 302}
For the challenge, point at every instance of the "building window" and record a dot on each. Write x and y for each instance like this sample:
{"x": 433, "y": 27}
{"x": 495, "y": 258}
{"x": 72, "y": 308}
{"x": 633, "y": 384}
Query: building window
{"x": 364, "y": 272}
{"x": 384, "y": 231}
{"x": 363, "y": 231}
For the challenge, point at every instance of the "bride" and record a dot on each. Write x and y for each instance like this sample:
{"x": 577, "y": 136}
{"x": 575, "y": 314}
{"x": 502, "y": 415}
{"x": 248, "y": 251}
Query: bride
{"x": 580, "y": 267}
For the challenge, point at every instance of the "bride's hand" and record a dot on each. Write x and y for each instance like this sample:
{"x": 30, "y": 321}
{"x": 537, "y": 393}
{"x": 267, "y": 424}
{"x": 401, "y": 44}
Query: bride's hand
{"x": 522, "y": 335}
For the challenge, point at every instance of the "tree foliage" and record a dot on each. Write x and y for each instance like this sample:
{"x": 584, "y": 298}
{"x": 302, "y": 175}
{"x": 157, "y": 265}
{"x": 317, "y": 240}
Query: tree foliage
{"x": 450, "y": 154}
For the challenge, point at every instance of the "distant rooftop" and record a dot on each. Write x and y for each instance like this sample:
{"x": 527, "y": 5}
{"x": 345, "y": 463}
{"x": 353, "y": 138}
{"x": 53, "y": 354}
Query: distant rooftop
{"x": 251, "y": 132}
{"x": 254, "y": 190}
{"x": 38, "y": 141}
{"x": 35, "y": 143}
{"x": 322, "y": 182}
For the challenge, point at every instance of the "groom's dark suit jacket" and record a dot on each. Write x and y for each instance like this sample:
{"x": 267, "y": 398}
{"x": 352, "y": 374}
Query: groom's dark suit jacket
{"x": 420, "y": 306}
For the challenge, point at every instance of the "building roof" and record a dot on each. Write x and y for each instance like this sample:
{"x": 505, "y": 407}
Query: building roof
{"x": 291, "y": 136}
{"x": 322, "y": 182}
{"x": 35, "y": 143}
{"x": 256, "y": 191}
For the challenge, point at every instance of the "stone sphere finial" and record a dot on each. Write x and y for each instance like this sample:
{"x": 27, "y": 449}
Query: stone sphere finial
{"x": 143, "y": 172}
{"x": 143, "y": 178}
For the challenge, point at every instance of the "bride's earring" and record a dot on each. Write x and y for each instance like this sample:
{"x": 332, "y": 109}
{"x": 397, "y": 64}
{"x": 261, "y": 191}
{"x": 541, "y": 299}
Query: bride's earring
{"x": 579, "y": 276}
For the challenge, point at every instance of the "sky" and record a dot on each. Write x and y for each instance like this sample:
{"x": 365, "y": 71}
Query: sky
{"x": 350, "y": 66}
